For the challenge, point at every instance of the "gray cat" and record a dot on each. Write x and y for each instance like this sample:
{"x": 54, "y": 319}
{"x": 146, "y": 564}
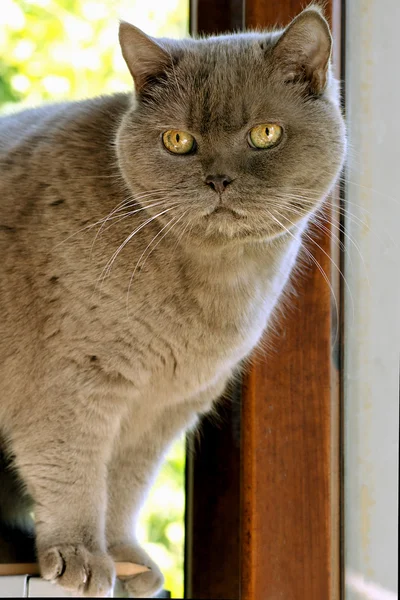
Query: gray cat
{"x": 200, "y": 186}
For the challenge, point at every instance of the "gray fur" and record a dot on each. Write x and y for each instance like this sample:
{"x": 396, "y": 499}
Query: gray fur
{"x": 96, "y": 381}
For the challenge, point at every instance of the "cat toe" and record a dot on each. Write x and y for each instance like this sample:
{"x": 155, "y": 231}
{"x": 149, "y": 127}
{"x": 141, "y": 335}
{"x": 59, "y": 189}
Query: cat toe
{"x": 78, "y": 571}
{"x": 144, "y": 585}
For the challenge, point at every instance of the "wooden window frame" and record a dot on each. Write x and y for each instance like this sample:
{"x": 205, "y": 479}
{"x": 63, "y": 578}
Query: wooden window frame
{"x": 264, "y": 489}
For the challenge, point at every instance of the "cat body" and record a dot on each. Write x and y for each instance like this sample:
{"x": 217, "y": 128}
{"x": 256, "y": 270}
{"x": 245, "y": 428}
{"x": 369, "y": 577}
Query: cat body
{"x": 210, "y": 309}
{"x": 115, "y": 338}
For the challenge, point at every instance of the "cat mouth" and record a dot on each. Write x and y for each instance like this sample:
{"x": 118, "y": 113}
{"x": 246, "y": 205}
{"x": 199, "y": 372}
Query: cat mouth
{"x": 224, "y": 211}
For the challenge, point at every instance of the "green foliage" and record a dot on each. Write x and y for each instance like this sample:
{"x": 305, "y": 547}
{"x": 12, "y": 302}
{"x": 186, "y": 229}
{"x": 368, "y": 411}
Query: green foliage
{"x": 162, "y": 525}
{"x": 67, "y": 49}
{"x": 53, "y": 49}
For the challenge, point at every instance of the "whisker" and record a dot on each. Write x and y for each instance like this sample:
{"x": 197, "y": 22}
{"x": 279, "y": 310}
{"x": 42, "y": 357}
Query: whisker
{"x": 118, "y": 218}
{"x": 330, "y": 258}
{"x": 346, "y": 213}
{"x": 154, "y": 247}
{"x": 369, "y": 188}
{"x": 92, "y": 225}
{"x": 116, "y": 176}
{"x": 352, "y": 218}
{"x": 152, "y": 250}
{"x": 108, "y": 266}
{"x": 335, "y": 265}
{"x": 179, "y": 237}
{"x": 343, "y": 247}
{"x": 359, "y": 206}
{"x": 317, "y": 218}
{"x": 138, "y": 197}
{"x": 322, "y": 273}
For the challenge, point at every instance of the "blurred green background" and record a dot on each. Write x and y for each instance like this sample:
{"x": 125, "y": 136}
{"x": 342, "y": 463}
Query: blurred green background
{"x": 58, "y": 49}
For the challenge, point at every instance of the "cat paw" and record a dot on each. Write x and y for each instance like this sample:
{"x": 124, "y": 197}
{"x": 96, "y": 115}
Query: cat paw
{"x": 143, "y": 585}
{"x": 78, "y": 571}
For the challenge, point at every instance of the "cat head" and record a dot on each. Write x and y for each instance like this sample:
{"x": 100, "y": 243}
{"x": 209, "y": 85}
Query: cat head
{"x": 232, "y": 137}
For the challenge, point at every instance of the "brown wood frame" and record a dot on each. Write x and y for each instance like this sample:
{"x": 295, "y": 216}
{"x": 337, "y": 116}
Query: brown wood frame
{"x": 289, "y": 507}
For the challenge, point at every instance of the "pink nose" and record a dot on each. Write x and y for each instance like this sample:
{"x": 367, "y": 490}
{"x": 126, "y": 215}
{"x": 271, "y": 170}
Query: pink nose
{"x": 218, "y": 183}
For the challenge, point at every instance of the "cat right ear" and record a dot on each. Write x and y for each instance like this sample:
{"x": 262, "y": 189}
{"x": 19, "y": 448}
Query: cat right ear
{"x": 145, "y": 58}
{"x": 303, "y": 51}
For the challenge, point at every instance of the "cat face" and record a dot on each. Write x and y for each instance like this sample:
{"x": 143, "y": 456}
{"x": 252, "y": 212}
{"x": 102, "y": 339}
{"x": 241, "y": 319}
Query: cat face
{"x": 234, "y": 137}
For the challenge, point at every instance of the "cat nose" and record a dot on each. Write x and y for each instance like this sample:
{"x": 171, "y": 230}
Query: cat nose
{"x": 218, "y": 182}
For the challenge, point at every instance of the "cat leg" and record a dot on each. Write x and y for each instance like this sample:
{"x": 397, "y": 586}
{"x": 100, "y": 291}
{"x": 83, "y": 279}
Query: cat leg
{"x": 131, "y": 473}
{"x": 61, "y": 456}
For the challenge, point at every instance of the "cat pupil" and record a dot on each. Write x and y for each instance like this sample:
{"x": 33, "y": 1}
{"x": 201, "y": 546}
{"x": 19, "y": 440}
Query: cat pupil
{"x": 267, "y": 131}
{"x": 177, "y": 137}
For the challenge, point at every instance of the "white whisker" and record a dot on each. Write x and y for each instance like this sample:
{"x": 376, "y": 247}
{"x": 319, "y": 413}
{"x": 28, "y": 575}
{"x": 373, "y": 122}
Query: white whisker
{"x": 118, "y": 218}
{"x": 326, "y": 278}
{"x": 152, "y": 250}
{"x": 108, "y": 266}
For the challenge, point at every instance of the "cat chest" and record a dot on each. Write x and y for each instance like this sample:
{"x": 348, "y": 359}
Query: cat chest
{"x": 187, "y": 357}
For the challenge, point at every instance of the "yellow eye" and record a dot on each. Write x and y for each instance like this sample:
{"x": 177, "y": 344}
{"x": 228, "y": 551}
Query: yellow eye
{"x": 265, "y": 135}
{"x": 178, "y": 142}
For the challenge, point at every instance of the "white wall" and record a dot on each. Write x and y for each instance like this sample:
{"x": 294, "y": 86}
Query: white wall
{"x": 372, "y": 333}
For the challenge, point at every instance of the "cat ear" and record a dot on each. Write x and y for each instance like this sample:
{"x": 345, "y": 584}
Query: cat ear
{"x": 145, "y": 58}
{"x": 304, "y": 49}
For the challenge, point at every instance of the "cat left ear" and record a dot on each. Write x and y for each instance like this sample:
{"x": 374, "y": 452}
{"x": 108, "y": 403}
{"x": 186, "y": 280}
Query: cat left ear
{"x": 304, "y": 49}
{"x": 145, "y": 58}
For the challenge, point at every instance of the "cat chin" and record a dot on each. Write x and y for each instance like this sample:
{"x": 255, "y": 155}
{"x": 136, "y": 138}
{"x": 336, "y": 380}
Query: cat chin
{"x": 227, "y": 231}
